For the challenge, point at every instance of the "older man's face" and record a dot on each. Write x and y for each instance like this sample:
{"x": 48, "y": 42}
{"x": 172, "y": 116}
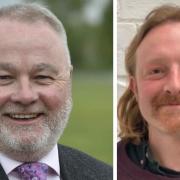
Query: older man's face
{"x": 157, "y": 80}
{"x": 35, "y": 98}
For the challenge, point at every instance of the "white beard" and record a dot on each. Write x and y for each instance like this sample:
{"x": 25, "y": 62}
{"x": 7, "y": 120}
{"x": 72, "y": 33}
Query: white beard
{"x": 23, "y": 143}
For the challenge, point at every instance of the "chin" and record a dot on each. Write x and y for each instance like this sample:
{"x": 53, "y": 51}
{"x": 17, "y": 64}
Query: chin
{"x": 25, "y": 148}
{"x": 170, "y": 125}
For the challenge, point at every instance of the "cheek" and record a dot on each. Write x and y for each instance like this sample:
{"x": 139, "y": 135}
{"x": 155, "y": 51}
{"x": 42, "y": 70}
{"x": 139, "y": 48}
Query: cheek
{"x": 54, "y": 98}
{"x": 5, "y": 96}
{"x": 146, "y": 92}
{"x": 148, "y": 89}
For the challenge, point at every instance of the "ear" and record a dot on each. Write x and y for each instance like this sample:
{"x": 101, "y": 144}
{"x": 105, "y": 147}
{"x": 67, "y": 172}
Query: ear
{"x": 133, "y": 86}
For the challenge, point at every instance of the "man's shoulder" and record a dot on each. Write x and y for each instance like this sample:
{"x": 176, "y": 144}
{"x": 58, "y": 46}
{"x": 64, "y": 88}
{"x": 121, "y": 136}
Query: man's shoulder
{"x": 82, "y": 165}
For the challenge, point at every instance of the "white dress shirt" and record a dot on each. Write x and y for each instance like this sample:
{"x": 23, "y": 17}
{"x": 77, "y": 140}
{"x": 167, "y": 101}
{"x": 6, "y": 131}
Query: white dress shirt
{"x": 51, "y": 159}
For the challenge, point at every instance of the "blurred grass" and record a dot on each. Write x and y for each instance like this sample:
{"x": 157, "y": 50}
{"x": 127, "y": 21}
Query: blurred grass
{"x": 91, "y": 122}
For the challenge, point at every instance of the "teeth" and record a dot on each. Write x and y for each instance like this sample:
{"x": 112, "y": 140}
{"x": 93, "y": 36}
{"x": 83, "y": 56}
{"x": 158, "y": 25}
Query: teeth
{"x": 23, "y": 116}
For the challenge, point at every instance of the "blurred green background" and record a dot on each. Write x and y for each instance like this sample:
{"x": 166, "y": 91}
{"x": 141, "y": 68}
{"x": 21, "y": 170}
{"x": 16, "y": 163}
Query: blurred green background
{"x": 90, "y": 126}
{"x": 89, "y": 27}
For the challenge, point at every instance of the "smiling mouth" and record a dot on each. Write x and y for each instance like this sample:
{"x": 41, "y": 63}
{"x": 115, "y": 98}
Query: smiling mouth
{"x": 21, "y": 116}
{"x": 172, "y": 104}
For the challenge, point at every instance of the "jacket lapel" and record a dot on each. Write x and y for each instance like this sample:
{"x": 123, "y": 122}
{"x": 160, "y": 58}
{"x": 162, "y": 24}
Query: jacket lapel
{"x": 3, "y": 174}
{"x": 64, "y": 165}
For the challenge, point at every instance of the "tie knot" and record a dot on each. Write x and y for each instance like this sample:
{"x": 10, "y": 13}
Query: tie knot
{"x": 33, "y": 171}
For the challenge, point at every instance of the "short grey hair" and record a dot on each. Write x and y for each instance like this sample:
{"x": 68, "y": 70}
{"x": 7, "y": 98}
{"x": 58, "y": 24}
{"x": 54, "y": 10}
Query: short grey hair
{"x": 33, "y": 12}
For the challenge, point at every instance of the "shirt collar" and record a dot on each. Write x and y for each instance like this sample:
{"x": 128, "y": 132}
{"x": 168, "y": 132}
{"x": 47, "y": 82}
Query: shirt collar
{"x": 148, "y": 162}
{"x": 51, "y": 159}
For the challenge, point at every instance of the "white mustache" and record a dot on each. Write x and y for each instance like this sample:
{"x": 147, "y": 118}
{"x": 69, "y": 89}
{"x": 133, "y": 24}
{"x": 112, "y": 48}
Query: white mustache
{"x": 19, "y": 109}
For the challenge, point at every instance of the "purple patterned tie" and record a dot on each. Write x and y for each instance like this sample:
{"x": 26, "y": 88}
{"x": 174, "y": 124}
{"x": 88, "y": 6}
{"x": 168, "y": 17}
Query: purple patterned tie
{"x": 33, "y": 171}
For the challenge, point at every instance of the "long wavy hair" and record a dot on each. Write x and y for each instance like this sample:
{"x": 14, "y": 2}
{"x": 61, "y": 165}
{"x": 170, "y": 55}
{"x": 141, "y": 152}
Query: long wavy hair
{"x": 133, "y": 127}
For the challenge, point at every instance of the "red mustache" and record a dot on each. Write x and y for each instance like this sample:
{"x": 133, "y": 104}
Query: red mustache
{"x": 163, "y": 99}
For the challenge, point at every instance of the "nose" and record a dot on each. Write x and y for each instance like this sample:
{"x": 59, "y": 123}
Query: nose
{"x": 172, "y": 85}
{"x": 24, "y": 94}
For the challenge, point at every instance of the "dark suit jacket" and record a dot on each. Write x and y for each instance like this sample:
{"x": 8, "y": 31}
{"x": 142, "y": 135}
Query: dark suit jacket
{"x": 76, "y": 165}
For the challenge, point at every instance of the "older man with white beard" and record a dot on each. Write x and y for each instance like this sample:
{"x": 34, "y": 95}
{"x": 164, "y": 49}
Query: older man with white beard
{"x": 35, "y": 99}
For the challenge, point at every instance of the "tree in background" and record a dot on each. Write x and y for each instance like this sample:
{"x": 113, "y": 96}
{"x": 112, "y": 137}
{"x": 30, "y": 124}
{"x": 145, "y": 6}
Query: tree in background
{"x": 90, "y": 42}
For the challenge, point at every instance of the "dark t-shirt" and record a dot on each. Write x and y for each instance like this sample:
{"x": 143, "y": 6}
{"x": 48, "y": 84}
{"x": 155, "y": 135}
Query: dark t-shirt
{"x": 142, "y": 156}
{"x": 131, "y": 167}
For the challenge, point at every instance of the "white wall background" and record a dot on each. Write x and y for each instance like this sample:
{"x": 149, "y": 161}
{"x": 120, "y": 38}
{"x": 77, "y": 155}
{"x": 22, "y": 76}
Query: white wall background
{"x": 130, "y": 14}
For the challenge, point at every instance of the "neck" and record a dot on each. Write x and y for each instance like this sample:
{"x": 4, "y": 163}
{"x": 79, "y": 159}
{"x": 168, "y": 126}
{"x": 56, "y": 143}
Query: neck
{"x": 165, "y": 149}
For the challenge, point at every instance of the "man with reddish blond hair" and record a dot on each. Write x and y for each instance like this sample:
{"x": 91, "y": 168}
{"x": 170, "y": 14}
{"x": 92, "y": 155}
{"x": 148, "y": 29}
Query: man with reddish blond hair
{"x": 149, "y": 110}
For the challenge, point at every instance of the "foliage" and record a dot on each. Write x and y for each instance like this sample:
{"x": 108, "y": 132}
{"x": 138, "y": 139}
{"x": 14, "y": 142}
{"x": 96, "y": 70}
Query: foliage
{"x": 91, "y": 45}
{"x": 91, "y": 121}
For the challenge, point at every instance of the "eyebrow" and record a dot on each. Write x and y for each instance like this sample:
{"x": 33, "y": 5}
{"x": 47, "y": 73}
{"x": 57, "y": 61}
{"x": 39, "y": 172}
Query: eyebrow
{"x": 45, "y": 67}
{"x": 7, "y": 67}
{"x": 36, "y": 68}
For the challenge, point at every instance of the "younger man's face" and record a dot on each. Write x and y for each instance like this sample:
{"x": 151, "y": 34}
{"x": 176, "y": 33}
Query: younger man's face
{"x": 157, "y": 79}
